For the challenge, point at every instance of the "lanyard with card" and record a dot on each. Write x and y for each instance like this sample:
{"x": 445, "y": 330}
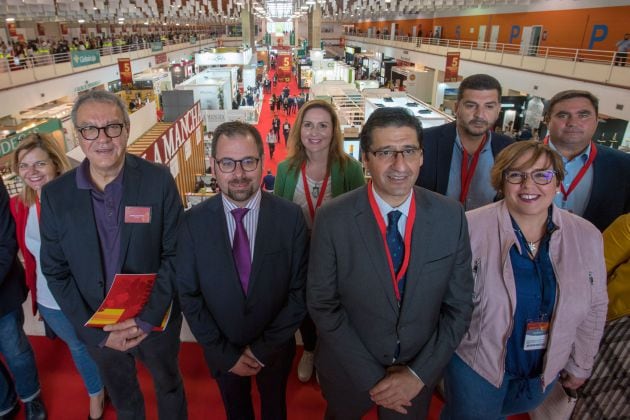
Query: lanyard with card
{"x": 537, "y": 334}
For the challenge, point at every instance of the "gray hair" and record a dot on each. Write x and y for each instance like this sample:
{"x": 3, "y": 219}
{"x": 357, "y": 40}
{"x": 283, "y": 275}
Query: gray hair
{"x": 99, "y": 96}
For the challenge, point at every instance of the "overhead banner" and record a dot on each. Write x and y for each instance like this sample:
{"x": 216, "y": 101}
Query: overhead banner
{"x": 12, "y": 28}
{"x": 161, "y": 58}
{"x": 452, "y": 67}
{"x": 85, "y": 58}
{"x": 156, "y": 46}
{"x": 126, "y": 76}
{"x": 40, "y": 29}
{"x": 63, "y": 28}
{"x": 283, "y": 64}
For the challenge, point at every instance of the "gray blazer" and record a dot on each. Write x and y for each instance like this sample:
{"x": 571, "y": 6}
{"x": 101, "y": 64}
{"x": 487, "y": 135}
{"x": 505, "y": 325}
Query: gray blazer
{"x": 351, "y": 298}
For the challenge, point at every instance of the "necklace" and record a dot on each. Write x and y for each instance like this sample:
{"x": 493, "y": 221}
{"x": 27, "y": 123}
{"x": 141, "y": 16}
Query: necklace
{"x": 531, "y": 245}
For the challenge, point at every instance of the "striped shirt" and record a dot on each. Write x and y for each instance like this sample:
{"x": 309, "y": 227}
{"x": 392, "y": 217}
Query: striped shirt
{"x": 250, "y": 221}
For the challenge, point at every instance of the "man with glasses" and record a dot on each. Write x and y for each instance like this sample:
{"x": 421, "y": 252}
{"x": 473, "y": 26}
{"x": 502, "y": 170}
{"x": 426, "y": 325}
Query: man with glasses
{"x": 389, "y": 280}
{"x": 116, "y": 213}
{"x": 241, "y": 271}
{"x": 459, "y": 155}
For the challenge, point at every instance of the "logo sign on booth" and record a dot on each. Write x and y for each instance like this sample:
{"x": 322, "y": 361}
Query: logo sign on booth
{"x": 85, "y": 58}
{"x": 126, "y": 75}
{"x": 452, "y": 67}
{"x": 165, "y": 148}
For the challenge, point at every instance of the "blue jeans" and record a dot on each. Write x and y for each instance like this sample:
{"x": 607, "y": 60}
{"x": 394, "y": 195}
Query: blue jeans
{"x": 88, "y": 370}
{"x": 20, "y": 361}
{"x": 470, "y": 397}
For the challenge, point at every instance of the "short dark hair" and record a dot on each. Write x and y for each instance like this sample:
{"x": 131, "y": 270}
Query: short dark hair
{"x": 388, "y": 117}
{"x": 570, "y": 94}
{"x": 479, "y": 82}
{"x": 231, "y": 128}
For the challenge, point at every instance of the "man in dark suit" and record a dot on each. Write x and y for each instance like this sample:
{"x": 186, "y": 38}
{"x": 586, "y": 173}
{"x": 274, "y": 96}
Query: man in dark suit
{"x": 389, "y": 281}
{"x": 596, "y": 183}
{"x": 241, "y": 271}
{"x": 18, "y": 372}
{"x": 469, "y": 139}
{"x": 116, "y": 213}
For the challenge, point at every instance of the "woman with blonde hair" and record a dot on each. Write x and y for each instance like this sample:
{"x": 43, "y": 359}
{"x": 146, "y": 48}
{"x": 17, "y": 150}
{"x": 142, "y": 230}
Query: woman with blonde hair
{"x": 316, "y": 170}
{"x": 38, "y": 160}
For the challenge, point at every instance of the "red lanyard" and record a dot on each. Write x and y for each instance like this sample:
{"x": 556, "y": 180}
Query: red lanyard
{"x": 468, "y": 172}
{"x": 580, "y": 175}
{"x": 408, "y": 229}
{"x": 307, "y": 193}
{"x": 38, "y": 207}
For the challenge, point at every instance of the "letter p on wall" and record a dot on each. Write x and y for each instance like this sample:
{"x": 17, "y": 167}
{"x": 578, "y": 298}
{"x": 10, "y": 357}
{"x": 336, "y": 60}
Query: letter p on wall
{"x": 600, "y": 32}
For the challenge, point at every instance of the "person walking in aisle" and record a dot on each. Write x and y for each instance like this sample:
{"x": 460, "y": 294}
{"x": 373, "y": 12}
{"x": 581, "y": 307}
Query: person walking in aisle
{"x": 459, "y": 155}
{"x": 38, "y": 160}
{"x": 245, "y": 311}
{"x": 315, "y": 171}
{"x": 286, "y": 128}
{"x": 389, "y": 282}
{"x": 275, "y": 124}
{"x": 594, "y": 186}
{"x": 272, "y": 139}
{"x": 116, "y": 213}
{"x": 539, "y": 297}
{"x": 18, "y": 372}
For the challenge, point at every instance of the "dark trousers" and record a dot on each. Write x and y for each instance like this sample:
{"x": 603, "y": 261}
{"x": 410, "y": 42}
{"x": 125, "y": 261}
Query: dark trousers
{"x": 159, "y": 353}
{"x": 308, "y": 331}
{"x": 345, "y": 402}
{"x": 620, "y": 59}
{"x": 271, "y": 382}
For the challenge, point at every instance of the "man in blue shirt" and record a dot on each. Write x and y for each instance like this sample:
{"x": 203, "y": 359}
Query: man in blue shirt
{"x": 623, "y": 47}
{"x": 596, "y": 182}
{"x": 458, "y": 156}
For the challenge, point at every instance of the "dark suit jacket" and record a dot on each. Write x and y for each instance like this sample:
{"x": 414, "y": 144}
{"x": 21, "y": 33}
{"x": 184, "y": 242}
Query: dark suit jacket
{"x": 438, "y": 143}
{"x": 12, "y": 286}
{"x": 70, "y": 252}
{"x": 610, "y": 195}
{"x": 223, "y": 319}
{"x": 351, "y": 298}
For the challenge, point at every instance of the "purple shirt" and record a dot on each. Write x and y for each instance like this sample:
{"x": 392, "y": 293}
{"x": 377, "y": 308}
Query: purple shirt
{"x": 107, "y": 216}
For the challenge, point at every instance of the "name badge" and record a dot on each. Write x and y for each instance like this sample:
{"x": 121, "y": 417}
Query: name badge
{"x": 536, "y": 335}
{"x": 137, "y": 214}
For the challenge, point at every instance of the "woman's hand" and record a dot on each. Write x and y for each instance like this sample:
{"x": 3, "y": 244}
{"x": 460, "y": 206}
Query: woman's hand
{"x": 569, "y": 381}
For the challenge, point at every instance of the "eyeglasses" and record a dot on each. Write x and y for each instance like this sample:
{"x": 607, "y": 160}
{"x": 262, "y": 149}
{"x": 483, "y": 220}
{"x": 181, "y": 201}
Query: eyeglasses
{"x": 391, "y": 155}
{"x": 542, "y": 177}
{"x": 40, "y": 164}
{"x": 91, "y": 132}
{"x": 227, "y": 165}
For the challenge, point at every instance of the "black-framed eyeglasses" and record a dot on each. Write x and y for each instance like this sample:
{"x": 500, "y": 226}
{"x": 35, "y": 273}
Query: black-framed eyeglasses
{"x": 248, "y": 164}
{"x": 91, "y": 132}
{"x": 542, "y": 177}
{"x": 391, "y": 155}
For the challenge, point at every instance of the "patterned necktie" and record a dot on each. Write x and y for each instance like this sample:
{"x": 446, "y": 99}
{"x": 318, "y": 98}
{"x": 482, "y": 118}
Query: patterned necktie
{"x": 240, "y": 248}
{"x": 396, "y": 246}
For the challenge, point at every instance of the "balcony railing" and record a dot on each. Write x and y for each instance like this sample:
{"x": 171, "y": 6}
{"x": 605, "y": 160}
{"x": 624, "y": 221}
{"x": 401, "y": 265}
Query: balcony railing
{"x": 599, "y": 66}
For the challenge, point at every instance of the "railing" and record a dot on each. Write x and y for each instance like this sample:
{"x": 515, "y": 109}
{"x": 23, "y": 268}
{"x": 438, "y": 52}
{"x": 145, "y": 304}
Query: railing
{"x": 19, "y": 71}
{"x": 515, "y": 55}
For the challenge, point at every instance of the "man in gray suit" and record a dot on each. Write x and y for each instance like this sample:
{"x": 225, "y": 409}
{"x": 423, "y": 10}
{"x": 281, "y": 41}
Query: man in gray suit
{"x": 389, "y": 281}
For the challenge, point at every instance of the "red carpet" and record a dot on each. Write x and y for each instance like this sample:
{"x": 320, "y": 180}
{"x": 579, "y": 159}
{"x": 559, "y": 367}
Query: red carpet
{"x": 264, "y": 123}
{"x": 66, "y": 398}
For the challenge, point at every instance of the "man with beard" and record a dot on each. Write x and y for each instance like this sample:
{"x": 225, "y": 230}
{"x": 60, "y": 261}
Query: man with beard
{"x": 458, "y": 156}
{"x": 241, "y": 272}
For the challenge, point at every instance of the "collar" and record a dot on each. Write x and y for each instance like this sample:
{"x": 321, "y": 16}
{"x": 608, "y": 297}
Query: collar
{"x": 252, "y": 204}
{"x": 84, "y": 180}
{"x": 486, "y": 147}
{"x": 584, "y": 155}
{"x": 385, "y": 208}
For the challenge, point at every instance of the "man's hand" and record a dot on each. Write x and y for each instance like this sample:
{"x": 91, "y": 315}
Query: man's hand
{"x": 246, "y": 365}
{"x": 569, "y": 381}
{"x": 124, "y": 335}
{"x": 397, "y": 389}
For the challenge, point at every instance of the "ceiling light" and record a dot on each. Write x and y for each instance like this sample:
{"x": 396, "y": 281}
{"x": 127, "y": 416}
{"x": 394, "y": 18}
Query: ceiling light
{"x": 81, "y": 21}
{"x": 10, "y": 19}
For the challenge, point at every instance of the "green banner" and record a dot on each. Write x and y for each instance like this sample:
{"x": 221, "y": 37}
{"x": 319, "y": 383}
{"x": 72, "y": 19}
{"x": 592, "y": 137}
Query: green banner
{"x": 156, "y": 46}
{"x": 193, "y": 40}
{"x": 9, "y": 144}
{"x": 85, "y": 58}
{"x": 292, "y": 38}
